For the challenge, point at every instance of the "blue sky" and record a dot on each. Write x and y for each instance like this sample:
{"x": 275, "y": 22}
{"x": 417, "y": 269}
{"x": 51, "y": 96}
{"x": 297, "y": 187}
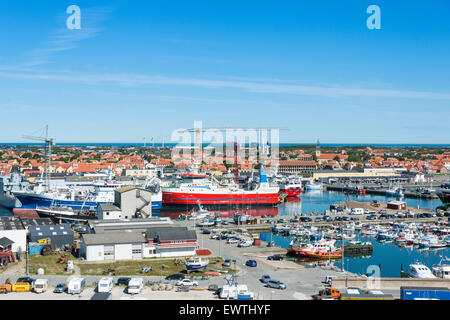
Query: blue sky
{"x": 145, "y": 68}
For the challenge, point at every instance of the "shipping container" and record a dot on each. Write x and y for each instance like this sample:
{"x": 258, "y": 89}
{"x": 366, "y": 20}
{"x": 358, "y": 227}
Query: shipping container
{"x": 424, "y": 293}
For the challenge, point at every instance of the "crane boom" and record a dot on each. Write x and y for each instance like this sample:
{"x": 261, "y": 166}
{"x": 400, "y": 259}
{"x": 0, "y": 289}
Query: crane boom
{"x": 48, "y": 153}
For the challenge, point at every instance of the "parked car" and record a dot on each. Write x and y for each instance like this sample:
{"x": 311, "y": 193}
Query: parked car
{"x": 233, "y": 240}
{"x": 226, "y": 263}
{"x": 371, "y": 217}
{"x": 187, "y": 282}
{"x": 265, "y": 278}
{"x": 327, "y": 218}
{"x": 175, "y": 276}
{"x": 275, "y": 257}
{"x": 60, "y": 288}
{"x": 305, "y": 219}
{"x": 30, "y": 280}
{"x": 245, "y": 243}
{"x": 318, "y": 219}
{"x": 251, "y": 263}
{"x": 123, "y": 281}
{"x": 276, "y": 284}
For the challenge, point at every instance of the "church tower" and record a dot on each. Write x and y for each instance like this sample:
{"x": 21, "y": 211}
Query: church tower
{"x": 318, "y": 148}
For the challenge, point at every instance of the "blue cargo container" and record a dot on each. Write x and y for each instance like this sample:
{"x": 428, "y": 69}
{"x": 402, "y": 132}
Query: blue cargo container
{"x": 35, "y": 248}
{"x": 424, "y": 293}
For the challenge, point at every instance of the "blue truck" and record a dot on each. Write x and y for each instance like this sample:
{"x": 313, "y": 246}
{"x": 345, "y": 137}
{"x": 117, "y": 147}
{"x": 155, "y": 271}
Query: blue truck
{"x": 424, "y": 293}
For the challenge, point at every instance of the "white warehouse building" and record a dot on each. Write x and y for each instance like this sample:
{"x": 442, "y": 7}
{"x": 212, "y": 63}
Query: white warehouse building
{"x": 12, "y": 228}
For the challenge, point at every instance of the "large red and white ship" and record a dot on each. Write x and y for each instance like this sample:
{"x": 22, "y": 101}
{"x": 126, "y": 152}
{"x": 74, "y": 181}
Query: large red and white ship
{"x": 197, "y": 188}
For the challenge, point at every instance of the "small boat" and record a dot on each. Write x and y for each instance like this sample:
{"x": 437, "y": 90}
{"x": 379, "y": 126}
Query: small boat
{"x": 394, "y": 192}
{"x": 323, "y": 249}
{"x": 196, "y": 264}
{"x": 64, "y": 213}
{"x": 442, "y": 270}
{"x": 313, "y": 187}
{"x": 419, "y": 270}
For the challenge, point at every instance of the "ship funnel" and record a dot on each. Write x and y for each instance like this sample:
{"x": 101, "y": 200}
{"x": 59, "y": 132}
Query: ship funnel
{"x": 262, "y": 174}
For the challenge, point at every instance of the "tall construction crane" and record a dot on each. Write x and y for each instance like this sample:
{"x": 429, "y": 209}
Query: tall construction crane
{"x": 48, "y": 154}
{"x": 198, "y": 130}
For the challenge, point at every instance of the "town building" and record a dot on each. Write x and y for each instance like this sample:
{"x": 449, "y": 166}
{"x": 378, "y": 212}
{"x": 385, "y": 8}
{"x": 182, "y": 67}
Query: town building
{"x": 133, "y": 202}
{"x": 12, "y": 228}
{"x": 154, "y": 242}
{"x": 108, "y": 211}
{"x": 57, "y": 236}
{"x": 6, "y": 253}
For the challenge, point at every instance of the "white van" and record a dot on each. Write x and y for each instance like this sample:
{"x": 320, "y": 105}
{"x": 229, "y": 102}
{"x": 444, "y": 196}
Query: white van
{"x": 105, "y": 284}
{"x": 40, "y": 285}
{"x": 135, "y": 285}
{"x": 76, "y": 285}
{"x": 357, "y": 211}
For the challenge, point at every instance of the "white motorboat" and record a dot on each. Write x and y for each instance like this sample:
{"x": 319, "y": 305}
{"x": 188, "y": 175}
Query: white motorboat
{"x": 418, "y": 270}
{"x": 313, "y": 187}
{"x": 442, "y": 270}
{"x": 196, "y": 264}
{"x": 394, "y": 192}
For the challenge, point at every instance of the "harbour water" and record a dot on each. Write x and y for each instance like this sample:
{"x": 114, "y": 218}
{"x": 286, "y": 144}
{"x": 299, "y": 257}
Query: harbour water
{"x": 388, "y": 256}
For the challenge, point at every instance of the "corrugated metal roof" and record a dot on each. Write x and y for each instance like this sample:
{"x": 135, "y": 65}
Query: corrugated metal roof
{"x": 113, "y": 238}
{"x": 10, "y": 223}
{"x": 171, "y": 233}
{"x": 51, "y": 230}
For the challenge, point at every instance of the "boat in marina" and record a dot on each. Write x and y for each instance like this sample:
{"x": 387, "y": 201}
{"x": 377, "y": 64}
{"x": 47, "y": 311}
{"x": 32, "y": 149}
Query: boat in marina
{"x": 313, "y": 187}
{"x": 65, "y": 214}
{"x": 395, "y": 192}
{"x": 196, "y": 264}
{"x": 419, "y": 270}
{"x": 354, "y": 189}
{"x": 444, "y": 194}
{"x": 291, "y": 186}
{"x": 196, "y": 187}
{"x": 442, "y": 270}
{"x": 322, "y": 249}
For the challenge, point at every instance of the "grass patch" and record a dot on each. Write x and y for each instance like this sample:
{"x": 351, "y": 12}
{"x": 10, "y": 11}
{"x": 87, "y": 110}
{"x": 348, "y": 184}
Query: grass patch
{"x": 48, "y": 263}
{"x": 160, "y": 267}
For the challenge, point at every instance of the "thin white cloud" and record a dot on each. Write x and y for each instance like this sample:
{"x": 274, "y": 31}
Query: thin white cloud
{"x": 64, "y": 39}
{"x": 249, "y": 86}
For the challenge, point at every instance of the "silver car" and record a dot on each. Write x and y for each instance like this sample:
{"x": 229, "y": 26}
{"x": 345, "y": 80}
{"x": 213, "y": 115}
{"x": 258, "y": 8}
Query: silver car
{"x": 276, "y": 284}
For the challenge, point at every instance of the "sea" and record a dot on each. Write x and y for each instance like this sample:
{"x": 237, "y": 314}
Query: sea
{"x": 388, "y": 257}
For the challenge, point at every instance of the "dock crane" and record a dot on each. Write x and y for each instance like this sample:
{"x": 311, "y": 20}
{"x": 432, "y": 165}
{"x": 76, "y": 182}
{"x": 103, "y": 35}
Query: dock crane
{"x": 198, "y": 130}
{"x": 48, "y": 153}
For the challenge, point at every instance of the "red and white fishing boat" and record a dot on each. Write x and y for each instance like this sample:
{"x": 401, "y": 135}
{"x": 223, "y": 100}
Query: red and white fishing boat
{"x": 322, "y": 249}
{"x": 292, "y": 186}
{"x": 291, "y": 189}
{"x": 196, "y": 188}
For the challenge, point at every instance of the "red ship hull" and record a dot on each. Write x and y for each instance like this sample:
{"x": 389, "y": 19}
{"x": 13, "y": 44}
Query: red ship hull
{"x": 179, "y": 198}
{"x": 291, "y": 192}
